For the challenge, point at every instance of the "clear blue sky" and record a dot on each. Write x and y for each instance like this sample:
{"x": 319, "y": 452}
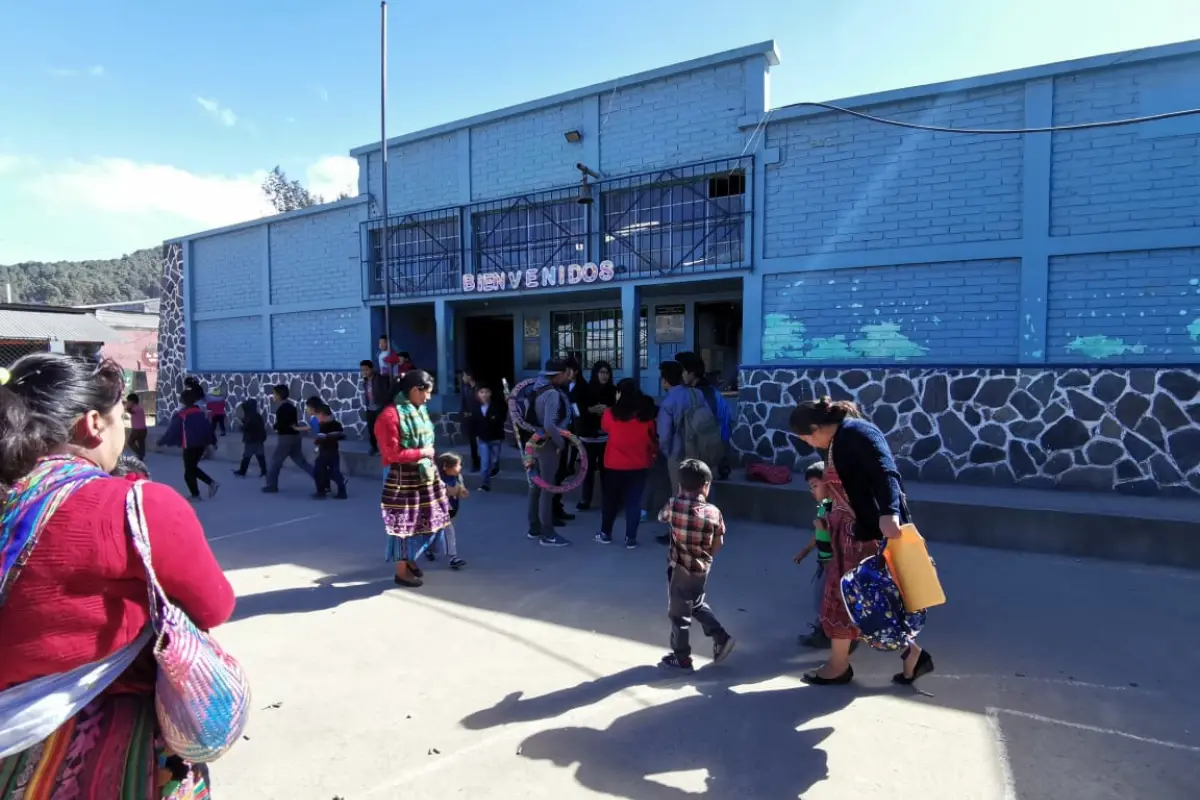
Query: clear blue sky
{"x": 124, "y": 123}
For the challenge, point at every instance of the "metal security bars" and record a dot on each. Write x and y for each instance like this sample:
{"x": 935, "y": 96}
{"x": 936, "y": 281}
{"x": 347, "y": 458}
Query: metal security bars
{"x": 424, "y": 254}
{"x": 594, "y": 335}
{"x": 530, "y": 232}
{"x": 680, "y": 221}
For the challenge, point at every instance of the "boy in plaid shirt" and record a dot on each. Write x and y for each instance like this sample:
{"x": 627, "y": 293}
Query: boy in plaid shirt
{"x": 697, "y": 531}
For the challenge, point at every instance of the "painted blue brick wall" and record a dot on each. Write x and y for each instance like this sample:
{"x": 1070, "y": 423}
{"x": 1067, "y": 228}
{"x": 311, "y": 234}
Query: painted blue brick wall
{"x": 421, "y": 175}
{"x": 1136, "y": 178}
{"x": 680, "y": 120}
{"x": 845, "y": 184}
{"x": 316, "y": 258}
{"x": 230, "y": 344}
{"x": 226, "y": 271}
{"x": 527, "y": 152}
{"x": 1125, "y": 307}
{"x": 947, "y": 313}
{"x": 330, "y": 339}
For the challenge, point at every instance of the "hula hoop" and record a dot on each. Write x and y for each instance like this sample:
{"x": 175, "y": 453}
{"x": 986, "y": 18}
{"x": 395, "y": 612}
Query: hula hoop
{"x": 514, "y": 411}
{"x": 529, "y": 460}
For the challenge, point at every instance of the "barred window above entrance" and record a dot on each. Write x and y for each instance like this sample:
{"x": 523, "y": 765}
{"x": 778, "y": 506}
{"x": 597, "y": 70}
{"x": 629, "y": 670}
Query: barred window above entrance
{"x": 682, "y": 221}
{"x": 530, "y": 232}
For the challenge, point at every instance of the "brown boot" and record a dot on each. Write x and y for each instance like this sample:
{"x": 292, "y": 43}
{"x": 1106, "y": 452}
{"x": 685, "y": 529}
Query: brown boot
{"x": 405, "y": 576}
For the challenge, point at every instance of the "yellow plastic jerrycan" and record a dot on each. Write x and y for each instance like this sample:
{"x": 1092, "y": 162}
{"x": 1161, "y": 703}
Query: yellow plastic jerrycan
{"x": 913, "y": 570}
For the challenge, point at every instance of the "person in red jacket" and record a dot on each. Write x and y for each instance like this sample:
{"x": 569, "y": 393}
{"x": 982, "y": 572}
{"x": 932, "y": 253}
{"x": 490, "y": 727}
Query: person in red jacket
{"x": 73, "y": 591}
{"x": 414, "y": 500}
{"x": 631, "y": 450}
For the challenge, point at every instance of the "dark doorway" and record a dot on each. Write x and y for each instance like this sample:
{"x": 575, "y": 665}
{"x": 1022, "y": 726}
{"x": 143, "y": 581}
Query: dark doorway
{"x": 488, "y": 345}
{"x": 719, "y": 340}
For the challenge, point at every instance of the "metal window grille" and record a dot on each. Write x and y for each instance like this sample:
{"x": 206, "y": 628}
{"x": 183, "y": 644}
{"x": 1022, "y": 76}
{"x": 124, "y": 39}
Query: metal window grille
{"x": 595, "y": 335}
{"x": 530, "y": 232}
{"x": 682, "y": 221}
{"x": 13, "y": 349}
{"x": 424, "y": 254}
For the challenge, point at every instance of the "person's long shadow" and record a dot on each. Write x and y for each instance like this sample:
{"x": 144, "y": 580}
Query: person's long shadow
{"x": 746, "y": 739}
{"x": 324, "y": 594}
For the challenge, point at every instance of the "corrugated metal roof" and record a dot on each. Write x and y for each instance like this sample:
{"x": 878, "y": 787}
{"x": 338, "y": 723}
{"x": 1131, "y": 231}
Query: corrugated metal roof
{"x": 40, "y": 326}
{"x": 128, "y": 319}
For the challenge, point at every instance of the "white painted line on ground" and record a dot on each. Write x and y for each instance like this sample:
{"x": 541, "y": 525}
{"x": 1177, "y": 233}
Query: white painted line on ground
{"x": 1079, "y": 726}
{"x": 1006, "y": 774}
{"x": 261, "y": 528}
{"x": 1050, "y": 681}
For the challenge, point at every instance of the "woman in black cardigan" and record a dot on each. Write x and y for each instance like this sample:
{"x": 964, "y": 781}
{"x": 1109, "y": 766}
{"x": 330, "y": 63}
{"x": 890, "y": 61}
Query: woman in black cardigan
{"x": 864, "y": 484}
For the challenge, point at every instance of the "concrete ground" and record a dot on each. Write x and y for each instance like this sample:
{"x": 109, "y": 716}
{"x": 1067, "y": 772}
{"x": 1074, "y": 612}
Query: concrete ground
{"x": 529, "y": 674}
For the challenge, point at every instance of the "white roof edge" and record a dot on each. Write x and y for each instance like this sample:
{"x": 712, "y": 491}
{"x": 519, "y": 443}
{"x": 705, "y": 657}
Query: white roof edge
{"x": 1088, "y": 63}
{"x": 766, "y": 49}
{"x": 284, "y": 217}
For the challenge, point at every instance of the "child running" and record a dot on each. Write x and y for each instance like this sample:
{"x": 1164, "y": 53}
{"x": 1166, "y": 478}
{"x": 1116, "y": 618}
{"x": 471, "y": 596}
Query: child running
{"x": 450, "y": 467}
{"x": 327, "y": 468}
{"x": 814, "y": 475}
{"x": 191, "y": 430}
{"x": 697, "y": 532}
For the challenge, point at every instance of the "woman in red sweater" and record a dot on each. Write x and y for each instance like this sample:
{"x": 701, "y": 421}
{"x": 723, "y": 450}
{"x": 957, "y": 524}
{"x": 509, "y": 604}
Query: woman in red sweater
{"x": 631, "y": 450}
{"x": 73, "y": 590}
{"x": 414, "y": 501}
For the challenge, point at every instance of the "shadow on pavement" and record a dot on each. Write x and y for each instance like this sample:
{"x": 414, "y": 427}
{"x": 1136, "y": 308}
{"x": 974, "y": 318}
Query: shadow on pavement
{"x": 746, "y": 741}
{"x": 325, "y": 594}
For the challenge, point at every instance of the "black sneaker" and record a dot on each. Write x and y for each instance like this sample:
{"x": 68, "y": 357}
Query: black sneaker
{"x": 457, "y": 563}
{"x": 533, "y": 535}
{"x": 341, "y": 495}
{"x": 582, "y": 507}
{"x": 485, "y": 488}
{"x": 564, "y": 517}
{"x": 815, "y": 638}
{"x": 239, "y": 473}
{"x": 319, "y": 495}
{"x": 270, "y": 490}
{"x": 675, "y": 663}
{"x": 430, "y": 555}
{"x": 630, "y": 544}
{"x": 721, "y": 650}
{"x": 603, "y": 538}
{"x": 554, "y": 540}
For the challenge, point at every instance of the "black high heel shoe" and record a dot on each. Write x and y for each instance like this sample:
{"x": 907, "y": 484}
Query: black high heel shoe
{"x": 814, "y": 678}
{"x": 924, "y": 667}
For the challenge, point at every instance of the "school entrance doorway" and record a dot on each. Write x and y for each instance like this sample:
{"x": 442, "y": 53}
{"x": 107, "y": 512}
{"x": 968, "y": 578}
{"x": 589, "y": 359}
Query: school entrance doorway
{"x": 719, "y": 340}
{"x": 488, "y": 350}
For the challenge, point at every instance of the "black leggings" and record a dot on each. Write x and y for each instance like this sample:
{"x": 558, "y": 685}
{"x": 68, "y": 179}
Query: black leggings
{"x": 192, "y": 471}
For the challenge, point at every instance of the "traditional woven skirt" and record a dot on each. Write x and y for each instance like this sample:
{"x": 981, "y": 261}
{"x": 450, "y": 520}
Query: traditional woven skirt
{"x": 848, "y": 553}
{"x": 108, "y": 751}
{"x": 412, "y": 507}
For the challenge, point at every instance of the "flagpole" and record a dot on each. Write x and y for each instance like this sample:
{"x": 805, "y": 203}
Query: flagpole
{"x": 386, "y": 248}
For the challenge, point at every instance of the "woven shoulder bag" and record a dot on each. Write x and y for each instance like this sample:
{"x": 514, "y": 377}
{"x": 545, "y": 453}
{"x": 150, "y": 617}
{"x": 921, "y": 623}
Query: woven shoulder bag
{"x": 201, "y": 695}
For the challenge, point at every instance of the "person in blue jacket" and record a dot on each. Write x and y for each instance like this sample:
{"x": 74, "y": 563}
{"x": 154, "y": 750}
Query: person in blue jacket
{"x": 191, "y": 430}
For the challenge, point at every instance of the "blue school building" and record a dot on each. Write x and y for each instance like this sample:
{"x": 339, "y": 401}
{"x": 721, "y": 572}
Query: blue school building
{"x": 1011, "y": 308}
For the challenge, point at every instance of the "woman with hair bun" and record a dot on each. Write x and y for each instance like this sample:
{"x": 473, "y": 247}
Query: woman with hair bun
{"x": 864, "y": 484}
{"x": 73, "y": 591}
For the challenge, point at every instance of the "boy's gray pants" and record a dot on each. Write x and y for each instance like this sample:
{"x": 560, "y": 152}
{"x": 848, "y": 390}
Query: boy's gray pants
{"x": 286, "y": 447}
{"x": 541, "y": 503}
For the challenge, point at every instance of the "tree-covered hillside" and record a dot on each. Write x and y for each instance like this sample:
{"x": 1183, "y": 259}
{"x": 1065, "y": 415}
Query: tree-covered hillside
{"x": 68, "y": 283}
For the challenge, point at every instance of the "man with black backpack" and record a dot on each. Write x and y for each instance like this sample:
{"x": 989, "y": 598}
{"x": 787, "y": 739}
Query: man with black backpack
{"x": 547, "y": 412}
{"x": 254, "y": 437}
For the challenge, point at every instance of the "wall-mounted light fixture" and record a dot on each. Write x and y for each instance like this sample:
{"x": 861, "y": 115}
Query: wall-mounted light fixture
{"x": 574, "y": 137}
{"x": 585, "y": 188}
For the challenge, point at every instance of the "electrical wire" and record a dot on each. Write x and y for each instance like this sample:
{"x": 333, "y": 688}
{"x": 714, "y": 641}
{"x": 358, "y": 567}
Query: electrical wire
{"x": 1082, "y": 126}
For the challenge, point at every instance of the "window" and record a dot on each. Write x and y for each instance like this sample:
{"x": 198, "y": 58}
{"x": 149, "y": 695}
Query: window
{"x": 688, "y": 220}
{"x": 424, "y": 254}
{"x": 594, "y": 335}
{"x": 525, "y": 233}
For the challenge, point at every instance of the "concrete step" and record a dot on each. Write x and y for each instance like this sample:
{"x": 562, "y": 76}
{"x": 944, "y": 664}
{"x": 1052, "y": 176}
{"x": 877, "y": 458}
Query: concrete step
{"x": 1160, "y": 531}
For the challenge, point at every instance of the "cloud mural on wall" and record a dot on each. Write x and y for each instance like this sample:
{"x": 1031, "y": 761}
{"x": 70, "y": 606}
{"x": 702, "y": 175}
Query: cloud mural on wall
{"x": 1102, "y": 347}
{"x": 784, "y": 338}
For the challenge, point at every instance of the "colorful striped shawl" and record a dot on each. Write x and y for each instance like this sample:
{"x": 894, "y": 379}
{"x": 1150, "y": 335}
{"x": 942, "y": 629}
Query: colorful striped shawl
{"x": 30, "y": 503}
{"x": 416, "y": 432}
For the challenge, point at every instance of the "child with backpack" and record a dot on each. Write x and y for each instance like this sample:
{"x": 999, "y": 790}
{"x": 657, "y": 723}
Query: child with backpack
{"x": 254, "y": 437}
